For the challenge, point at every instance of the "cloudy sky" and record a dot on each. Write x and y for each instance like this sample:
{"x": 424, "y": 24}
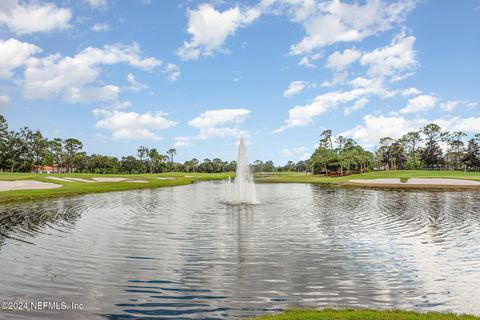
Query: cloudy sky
{"x": 197, "y": 75}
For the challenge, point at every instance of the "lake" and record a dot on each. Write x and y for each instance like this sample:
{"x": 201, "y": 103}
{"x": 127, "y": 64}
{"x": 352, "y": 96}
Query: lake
{"x": 183, "y": 253}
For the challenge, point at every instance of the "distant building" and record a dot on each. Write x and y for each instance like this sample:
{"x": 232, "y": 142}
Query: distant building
{"x": 48, "y": 169}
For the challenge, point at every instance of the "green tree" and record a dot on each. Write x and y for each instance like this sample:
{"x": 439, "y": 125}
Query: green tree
{"x": 39, "y": 148}
{"x": 382, "y": 152}
{"x": 131, "y": 165}
{"x": 13, "y": 149}
{"x": 258, "y": 166}
{"x": 456, "y": 146}
{"x": 268, "y": 166}
{"x": 71, "y": 146}
{"x": 171, "y": 153}
{"x": 432, "y": 153}
{"x": 326, "y": 139}
{"x": 26, "y": 155}
{"x": 3, "y": 142}
{"x": 55, "y": 151}
{"x": 396, "y": 156}
{"x": 411, "y": 142}
{"x": 471, "y": 159}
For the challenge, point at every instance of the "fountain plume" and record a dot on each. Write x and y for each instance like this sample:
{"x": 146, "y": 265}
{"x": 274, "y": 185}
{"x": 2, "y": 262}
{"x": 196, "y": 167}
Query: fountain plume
{"x": 242, "y": 189}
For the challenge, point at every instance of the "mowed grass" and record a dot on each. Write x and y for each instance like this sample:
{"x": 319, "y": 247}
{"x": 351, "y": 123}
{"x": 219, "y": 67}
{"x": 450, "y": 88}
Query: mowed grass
{"x": 79, "y": 188}
{"x": 298, "y": 177}
{"x": 363, "y": 314}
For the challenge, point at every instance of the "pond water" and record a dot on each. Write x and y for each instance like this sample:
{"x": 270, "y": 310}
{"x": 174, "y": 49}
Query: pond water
{"x": 182, "y": 253}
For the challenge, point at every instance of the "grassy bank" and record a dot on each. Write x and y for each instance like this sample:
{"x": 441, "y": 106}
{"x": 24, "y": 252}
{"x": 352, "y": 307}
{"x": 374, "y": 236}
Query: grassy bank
{"x": 363, "y": 314}
{"x": 404, "y": 175}
{"x": 181, "y": 178}
{"x": 79, "y": 188}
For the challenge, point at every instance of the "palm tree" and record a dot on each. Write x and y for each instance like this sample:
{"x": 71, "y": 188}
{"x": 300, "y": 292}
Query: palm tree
{"x": 142, "y": 152}
{"x": 154, "y": 157}
{"x": 13, "y": 144}
{"x": 171, "y": 152}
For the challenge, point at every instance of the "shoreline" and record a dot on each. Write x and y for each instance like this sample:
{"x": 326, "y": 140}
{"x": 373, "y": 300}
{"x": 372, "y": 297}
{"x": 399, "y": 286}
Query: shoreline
{"x": 76, "y": 184}
{"x": 388, "y": 180}
{"x": 405, "y": 186}
{"x": 363, "y": 314}
{"x": 71, "y": 185}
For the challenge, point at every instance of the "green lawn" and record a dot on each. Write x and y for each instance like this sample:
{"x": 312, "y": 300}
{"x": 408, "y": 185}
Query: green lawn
{"x": 296, "y": 177}
{"x": 182, "y": 178}
{"x": 78, "y": 188}
{"x": 362, "y": 314}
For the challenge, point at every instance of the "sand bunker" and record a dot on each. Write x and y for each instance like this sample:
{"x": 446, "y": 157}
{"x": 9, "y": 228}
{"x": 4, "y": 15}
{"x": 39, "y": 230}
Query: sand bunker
{"x": 27, "y": 185}
{"x": 79, "y": 180}
{"x": 109, "y": 179}
{"x": 58, "y": 179}
{"x": 417, "y": 181}
{"x": 163, "y": 178}
{"x": 137, "y": 181}
{"x": 96, "y": 179}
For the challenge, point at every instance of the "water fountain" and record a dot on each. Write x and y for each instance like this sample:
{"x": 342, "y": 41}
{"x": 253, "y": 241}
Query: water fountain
{"x": 242, "y": 189}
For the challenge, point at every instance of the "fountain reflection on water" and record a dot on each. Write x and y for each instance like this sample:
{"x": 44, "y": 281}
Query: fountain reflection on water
{"x": 242, "y": 189}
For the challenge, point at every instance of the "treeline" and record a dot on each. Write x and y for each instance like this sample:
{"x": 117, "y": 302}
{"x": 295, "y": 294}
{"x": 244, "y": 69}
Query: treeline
{"x": 29, "y": 151}
{"x": 420, "y": 149}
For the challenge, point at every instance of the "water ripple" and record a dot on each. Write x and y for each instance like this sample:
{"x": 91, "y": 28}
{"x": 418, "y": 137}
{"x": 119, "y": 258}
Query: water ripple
{"x": 182, "y": 253}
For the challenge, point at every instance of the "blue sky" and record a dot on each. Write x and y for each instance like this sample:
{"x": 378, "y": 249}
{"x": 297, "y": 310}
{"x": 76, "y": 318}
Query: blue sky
{"x": 197, "y": 75}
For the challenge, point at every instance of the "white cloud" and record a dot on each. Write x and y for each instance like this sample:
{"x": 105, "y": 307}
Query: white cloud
{"x": 305, "y": 156}
{"x": 293, "y": 151}
{"x": 212, "y": 123}
{"x": 297, "y": 153}
{"x": 393, "y": 62}
{"x": 14, "y": 54}
{"x": 467, "y": 125}
{"x": 214, "y": 118}
{"x": 338, "y": 78}
{"x": 172, "y": 71}
{"x": 294, "y": 88}
{"x": 96, "y": 4}
{"x": 471, "y": 104}
{"x": 4, "y": 102}
{"x": 222, "y": 132}
{"x": 135, "y": 85}
{"x": 302, "y": 115}
{"x": 210, "y": 28}
{"x": 390, "y": 62}
{"x": 449, "y": 105}
{"x": 305, "y": 61}
{"x": 182, "y": 141}
{"x": 88, "y": 94}
{"x": 410, "y": 92}
{"x": 132, "y": 125}
{"x": 359, "y": 104}
{"x": 99, "y": 27}
{"x": 373, "y": 86}
{"x": 419, "y": 104}
{"x": 29, "y": 17}
{"x": 376, "y": 127}
{"x": 397, "y": 57}
{"x": 334, "y": 21}
{"x": 71, "y": 77}
{"x": 339, "y": 61}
